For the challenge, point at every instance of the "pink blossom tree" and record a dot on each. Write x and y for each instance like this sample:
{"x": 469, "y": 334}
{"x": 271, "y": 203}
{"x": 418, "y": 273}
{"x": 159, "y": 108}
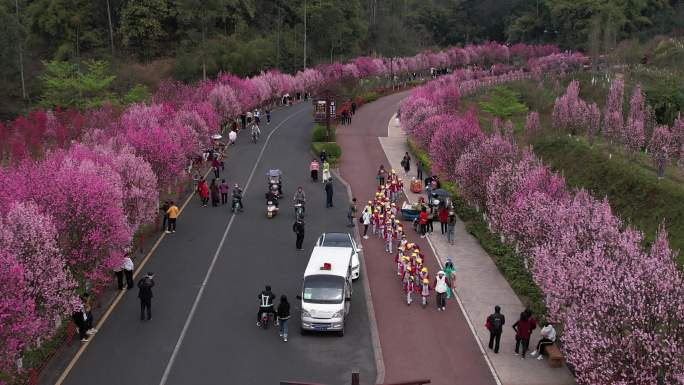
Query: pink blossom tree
{"x": 18, "y": 321}
{"x": 661, "y": 144}
{"x": 532, "y": 123}
{"x": 477, "y": 163}
{"x": 31, "y": 237}
{"x": 449, "y": 141}
{"x": 84, "y": 199}
{"x": 613, "y": 118}
{"x": 633, "y": 134}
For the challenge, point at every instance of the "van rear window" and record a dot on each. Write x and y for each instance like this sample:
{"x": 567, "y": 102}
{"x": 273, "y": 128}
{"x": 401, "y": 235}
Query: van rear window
{"x": 323, "y": 289}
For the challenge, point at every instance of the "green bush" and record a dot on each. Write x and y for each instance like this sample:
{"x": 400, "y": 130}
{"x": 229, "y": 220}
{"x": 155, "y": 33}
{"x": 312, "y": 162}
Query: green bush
{"x": 319, "y": 133}
{"x": 368, "y": 97}
{"x": 507, "y": 261}
{"x": 333, "y": 149}
{"x": 503, "y": 102}
{"x": 634, "y": 192}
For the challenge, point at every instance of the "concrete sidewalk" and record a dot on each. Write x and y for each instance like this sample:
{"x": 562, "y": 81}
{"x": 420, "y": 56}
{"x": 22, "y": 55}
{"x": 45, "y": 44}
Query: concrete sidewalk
{"x": 480, "y": 286}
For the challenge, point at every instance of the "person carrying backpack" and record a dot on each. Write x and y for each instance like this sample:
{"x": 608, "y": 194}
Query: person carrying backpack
{"x": 495, "y": 323}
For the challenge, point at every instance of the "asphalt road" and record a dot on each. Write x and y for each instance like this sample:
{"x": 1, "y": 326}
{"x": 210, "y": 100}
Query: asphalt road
{"x": 221, "y": 343}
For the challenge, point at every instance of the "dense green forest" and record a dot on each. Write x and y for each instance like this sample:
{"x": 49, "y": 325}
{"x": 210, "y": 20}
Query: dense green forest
{"x": 144, "y": 41}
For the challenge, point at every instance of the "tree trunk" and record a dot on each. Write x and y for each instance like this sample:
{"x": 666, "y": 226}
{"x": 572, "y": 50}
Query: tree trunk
{"x": 21, "y": 54}
{"x": 111, "y": 29}
{"x": 204, "y": 49}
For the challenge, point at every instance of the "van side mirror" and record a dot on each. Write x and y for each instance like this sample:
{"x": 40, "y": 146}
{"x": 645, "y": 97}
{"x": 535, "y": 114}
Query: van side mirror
{"x": 299, "y": 297}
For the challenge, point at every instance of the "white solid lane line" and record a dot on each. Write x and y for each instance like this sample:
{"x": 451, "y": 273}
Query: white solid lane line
{"x": 191, "y": 315}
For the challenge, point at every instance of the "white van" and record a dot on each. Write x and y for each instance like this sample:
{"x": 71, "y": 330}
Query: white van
{"x": 326, "y": 290}
{"x": 346, "y": 241}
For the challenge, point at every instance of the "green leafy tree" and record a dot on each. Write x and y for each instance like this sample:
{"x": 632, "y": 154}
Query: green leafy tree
{"x": 503, "y": 103}
{"x": 145, "y": 25}
{"x": 65, "y": 85}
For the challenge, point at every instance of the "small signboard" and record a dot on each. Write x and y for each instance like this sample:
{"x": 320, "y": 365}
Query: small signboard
{"x": 319, "y": 110}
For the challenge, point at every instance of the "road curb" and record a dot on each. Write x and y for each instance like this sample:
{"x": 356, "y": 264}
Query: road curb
{"x": 375, "y": 334}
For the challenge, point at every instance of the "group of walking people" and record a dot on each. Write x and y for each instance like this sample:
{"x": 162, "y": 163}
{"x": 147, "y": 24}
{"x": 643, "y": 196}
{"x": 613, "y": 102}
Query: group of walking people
{"x": 382, "y": 216}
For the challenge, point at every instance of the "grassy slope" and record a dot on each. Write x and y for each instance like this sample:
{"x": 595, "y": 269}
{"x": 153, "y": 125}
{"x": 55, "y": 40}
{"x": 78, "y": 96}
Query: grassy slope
{"x": 629, "y": 182}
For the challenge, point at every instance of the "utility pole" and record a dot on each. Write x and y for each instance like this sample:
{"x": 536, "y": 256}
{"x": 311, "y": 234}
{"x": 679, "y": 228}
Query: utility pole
{"x": 304, "y": 34}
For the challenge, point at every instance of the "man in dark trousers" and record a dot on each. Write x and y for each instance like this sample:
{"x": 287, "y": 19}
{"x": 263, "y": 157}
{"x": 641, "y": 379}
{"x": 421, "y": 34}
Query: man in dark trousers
{"x": 495, "y": 323}
{"x": 145, "y": 286}
{"x": 298, "y": 229}
{"x": 329, "y": 193}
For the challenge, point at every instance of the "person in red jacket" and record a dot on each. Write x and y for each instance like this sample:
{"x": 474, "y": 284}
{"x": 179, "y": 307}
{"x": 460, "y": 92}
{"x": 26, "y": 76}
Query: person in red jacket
{"x": 203, "y": 190}
{"x": 443, "y": 218}
{"x": 523, "y": 331}
{"x": 422, "y": 221}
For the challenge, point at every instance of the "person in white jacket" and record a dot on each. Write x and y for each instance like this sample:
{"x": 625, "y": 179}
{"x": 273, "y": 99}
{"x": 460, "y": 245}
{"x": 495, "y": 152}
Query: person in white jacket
{"x": 548, "y": 337}
{"x": 366, "y": 217}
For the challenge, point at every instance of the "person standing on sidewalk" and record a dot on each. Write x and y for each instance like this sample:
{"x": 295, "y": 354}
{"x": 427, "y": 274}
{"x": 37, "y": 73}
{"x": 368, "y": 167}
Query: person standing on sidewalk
{"x": 298, "y": 228}
{"x": 118, "y": 271}
{"x": 216, "y": 165}
{"x": 351, "y": 214}
{"x": 268, "y": 116}
{"x": 328, "y": 193}
{"x": 215, "y": 195}
{"x": 443, "y": 215}
{"x": 406, "y": 163}
{"x": 283, "y": 314}
{"x": 441, "y": 286}
{"x": 419, "y": 169}
{"x": 173, "y": 215}
{"x": 523, "y": 331}
{"x": 423, "y": 221}
{"x": 224, "y": 188}
{"x": 165, "y": 216}
{"x": 203, "y": 191}
{"x": 128, "y": 271}
{"x": 145, "y": 286}
{"x": 451, "y": 227}
{"x": 494, "y": 324}
{"x": 366, "y": 216}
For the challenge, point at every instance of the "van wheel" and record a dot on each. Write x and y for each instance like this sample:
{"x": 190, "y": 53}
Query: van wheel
{"x": 341, "y": 332}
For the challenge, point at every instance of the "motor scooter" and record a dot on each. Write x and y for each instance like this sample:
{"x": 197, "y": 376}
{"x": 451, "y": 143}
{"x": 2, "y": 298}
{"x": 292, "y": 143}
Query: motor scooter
{"x": 299, "y": 210}
{"x": 271, "y": 207}
{"x": 264, "y": 319}
{"x": 235, "y": 206}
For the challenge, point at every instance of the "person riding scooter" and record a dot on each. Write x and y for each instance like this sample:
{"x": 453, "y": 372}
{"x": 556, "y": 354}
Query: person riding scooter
{"x": 266, "y": 298}
{"x": 299, "y": 198}
{"x": 237, "y": 196}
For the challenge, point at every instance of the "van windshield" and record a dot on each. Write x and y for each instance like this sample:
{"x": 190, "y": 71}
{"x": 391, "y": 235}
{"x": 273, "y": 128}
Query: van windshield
{"x": 323, "y": 289}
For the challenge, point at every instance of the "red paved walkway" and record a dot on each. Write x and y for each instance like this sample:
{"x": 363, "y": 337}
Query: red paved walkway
{"x": 416, "y": 343}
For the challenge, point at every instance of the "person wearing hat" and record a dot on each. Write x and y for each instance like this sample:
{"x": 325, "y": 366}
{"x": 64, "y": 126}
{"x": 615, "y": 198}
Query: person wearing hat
{"x": 145, "y": 286}
{"x": 425, "y": 290}
{"x": 408, "y": 284}
{"x": 441, "y": 286}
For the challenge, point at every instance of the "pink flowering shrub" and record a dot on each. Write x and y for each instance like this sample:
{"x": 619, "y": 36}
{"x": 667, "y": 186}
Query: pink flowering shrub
{"x": 532, "y": 123}
{"x": 633, "y": 135}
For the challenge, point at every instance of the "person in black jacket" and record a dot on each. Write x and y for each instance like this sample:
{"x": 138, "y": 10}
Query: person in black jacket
{"x": 495, "y": 323}
{"x": 298, "y": 228}
{"x": 283, "y": 316}
{"x": 145, "y": 286}
{"x": 266, "y": 298}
